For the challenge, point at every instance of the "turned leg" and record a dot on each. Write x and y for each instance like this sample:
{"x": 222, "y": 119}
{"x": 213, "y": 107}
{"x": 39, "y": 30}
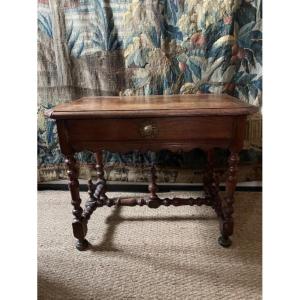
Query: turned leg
{"x": 211, "y": 182}
{"x": 226, "y": 221}
{"x": 153, "y": 188}
{"x": 79, "y": 224}
{"x": 100, "y": 174}
{"x": 91, "y": 204}
{"x": 208, "y": 175}
{"x": 101, "y": 182}
{"x": 96, "y": 191}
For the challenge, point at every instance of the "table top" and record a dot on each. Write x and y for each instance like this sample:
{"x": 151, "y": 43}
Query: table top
{"x": 151, "y": 106}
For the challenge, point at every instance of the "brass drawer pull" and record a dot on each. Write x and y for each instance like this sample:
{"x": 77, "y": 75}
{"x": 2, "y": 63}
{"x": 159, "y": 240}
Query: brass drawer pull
{"x": 148, "y": 130}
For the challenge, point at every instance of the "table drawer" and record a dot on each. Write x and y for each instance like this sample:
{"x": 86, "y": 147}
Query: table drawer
{"x": 175, "y": 128}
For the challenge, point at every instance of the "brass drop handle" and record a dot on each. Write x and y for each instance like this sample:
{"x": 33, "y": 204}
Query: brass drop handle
{"x": 148, "y": 129}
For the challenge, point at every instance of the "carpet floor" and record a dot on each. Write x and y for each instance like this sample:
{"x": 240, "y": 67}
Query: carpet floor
{"x": 142, "y": 253}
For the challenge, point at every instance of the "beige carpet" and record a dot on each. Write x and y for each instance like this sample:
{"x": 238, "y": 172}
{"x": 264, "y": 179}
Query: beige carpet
{"x": 141, "y": 253}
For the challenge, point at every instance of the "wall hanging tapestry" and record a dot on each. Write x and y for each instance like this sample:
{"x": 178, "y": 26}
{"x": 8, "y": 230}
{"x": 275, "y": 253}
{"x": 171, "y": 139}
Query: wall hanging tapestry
{"x": 148, "y": 47}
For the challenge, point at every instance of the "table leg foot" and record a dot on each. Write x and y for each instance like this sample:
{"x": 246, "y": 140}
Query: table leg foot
{"x": 226, "y": 203}
{"x": 224, "y": 241}
{"x": 79, "y": 225}
{"x": 82, "y": 245}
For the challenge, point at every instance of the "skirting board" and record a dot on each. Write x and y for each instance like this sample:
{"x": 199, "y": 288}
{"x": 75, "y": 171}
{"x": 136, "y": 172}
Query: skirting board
{"x": 113, "y": 186}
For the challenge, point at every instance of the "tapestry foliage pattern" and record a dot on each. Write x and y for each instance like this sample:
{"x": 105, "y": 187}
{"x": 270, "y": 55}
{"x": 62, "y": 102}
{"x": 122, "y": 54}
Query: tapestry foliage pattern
{"x": 144, "y": 47}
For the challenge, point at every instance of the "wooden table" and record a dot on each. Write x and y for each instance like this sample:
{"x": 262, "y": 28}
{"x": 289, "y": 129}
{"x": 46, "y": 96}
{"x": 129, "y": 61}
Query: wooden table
{"x": 179, "y": 122}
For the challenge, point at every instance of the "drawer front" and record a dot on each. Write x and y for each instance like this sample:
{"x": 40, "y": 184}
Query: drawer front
{"x": 159, "y": 129}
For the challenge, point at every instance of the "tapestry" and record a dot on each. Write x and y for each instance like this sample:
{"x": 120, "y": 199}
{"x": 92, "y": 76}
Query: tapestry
{"x": 147, "y": 47}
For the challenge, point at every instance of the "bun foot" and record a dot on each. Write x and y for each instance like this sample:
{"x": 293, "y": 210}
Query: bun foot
{"x": 82, "y": 245}
{"x": 224, "y": 242}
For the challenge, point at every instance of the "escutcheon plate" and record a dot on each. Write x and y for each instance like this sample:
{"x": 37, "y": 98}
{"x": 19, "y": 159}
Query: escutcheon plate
{"x": 148, "y": 129}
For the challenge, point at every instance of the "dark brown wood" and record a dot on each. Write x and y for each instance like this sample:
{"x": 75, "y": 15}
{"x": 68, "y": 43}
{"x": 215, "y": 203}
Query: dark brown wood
{"x": 179, "y": 122}
{"x": 208, "y": 174}
{"x": 101, "y": 182}
{"x": 96, "y": 190}
{"x": 160, "y": 129}
{"x": 144, "y": 146}
{"x": 148, "y": 202}
{"x": 211, "y": 182}
{"x": 226, "y": 221}
{"x": 62, "y": 130}
{"x": 79, "y": 225}
{"x": 99, "y": 166}
{"x": 151, "y": 106}
{"x": 153, "y": 188}
{"x": 91, "y": 203}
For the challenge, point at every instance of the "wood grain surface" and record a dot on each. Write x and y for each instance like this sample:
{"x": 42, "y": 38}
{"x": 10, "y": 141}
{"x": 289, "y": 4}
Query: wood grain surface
{"x": 156, "y": 106}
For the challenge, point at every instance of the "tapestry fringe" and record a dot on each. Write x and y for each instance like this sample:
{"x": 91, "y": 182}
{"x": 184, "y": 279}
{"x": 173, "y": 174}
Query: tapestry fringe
{"x": 123, "y": 173}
